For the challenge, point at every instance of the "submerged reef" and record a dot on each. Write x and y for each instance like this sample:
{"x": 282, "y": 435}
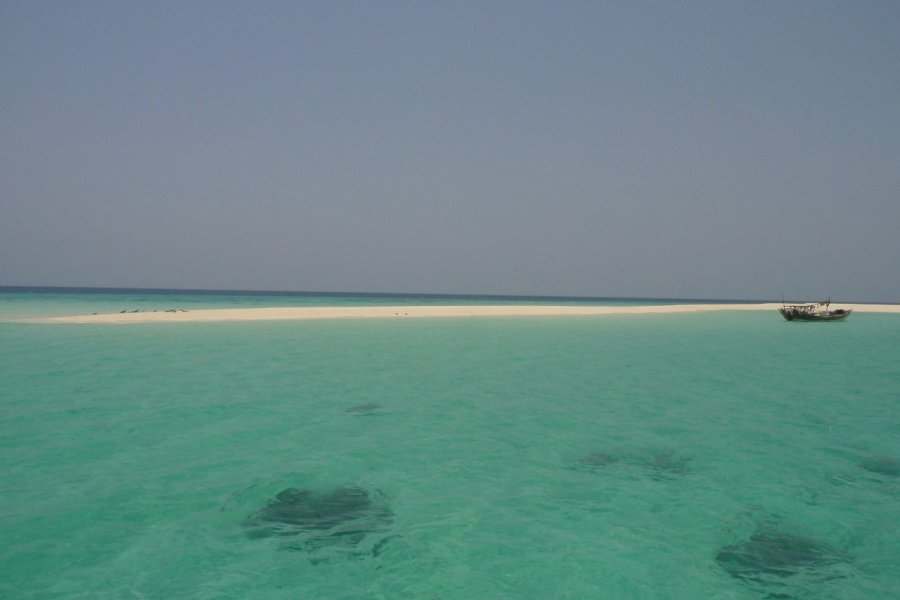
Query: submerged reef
{"x": 665, "y": 462}
{"x": 597, "y": 460}
{"x": 658, "y": 463}
{"x": 315, "y": 520}
{"x": 882, "y": 465}
{"x": 771, "y": 557}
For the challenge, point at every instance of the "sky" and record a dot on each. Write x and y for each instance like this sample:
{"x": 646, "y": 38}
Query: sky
{"x": 720, "y": 150}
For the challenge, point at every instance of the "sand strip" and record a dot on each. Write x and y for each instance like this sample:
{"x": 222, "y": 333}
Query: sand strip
{"x": 423, "y": 311}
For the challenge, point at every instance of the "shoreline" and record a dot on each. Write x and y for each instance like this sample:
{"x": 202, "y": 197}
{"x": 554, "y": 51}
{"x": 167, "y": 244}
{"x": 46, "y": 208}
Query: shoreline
{"x": 419, "y": 311}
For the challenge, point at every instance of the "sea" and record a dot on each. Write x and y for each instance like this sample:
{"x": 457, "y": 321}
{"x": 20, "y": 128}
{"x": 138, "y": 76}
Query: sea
{"x": 725, "y": 455}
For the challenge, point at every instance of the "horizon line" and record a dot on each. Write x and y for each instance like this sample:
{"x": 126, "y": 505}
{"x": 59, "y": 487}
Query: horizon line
{"x": 247, "y": 292}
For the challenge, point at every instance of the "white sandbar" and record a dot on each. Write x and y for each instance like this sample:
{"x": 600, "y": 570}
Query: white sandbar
{"x": 423, "y": 311}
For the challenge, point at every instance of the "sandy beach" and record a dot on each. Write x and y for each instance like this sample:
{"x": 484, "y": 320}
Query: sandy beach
{"x": 426, "y": 311}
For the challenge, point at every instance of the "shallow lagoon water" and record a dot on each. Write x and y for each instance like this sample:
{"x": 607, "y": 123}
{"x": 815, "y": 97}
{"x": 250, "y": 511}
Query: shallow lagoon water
{"x": 131, "y": 457}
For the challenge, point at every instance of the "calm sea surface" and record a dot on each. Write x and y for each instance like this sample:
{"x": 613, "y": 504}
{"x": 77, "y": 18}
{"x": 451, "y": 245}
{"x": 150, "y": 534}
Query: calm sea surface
{"x": 719, "y": 455}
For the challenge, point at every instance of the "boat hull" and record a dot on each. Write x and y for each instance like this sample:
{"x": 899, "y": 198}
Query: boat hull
{"x": 795, "y": 314}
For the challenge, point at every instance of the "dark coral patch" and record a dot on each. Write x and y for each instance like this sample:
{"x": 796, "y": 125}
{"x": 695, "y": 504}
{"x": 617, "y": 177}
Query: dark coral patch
{"x": 665, "y": 462}
{"x": 658, "y": 464}
{"x": 882, "y": 465}
{"x": 344, "y": 516}
{"x": 595, "y": 461}
{"x": 770, "y": 553}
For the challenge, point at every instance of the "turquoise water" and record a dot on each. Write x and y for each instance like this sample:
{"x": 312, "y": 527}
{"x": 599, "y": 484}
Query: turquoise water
{"x": 577, "y": 457}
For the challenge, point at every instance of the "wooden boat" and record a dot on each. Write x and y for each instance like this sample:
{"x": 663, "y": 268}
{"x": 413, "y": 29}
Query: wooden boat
{"x": 817, "y": 311}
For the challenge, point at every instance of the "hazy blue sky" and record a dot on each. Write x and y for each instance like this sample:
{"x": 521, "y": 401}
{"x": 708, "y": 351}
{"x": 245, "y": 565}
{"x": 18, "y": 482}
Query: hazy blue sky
{"x": 670, "y": 149}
